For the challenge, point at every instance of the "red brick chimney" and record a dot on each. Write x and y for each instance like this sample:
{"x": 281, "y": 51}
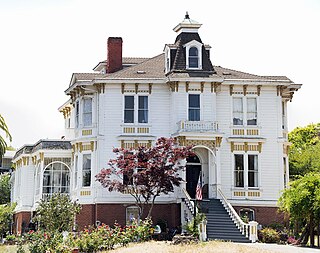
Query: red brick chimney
{"x": 114, "y": 57}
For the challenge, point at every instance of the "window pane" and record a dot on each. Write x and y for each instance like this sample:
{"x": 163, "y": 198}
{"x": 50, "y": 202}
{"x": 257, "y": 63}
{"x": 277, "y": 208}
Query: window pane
{"x": 143, "y": 102}
{"x": 194, "y": 114}
{"x": 129, "y": 102}
{"x": 128, "y": 116}
{"x": 239, "y": 171}
{"x": 237, "y": 111}
{"x": 87, "y": 105}
{"x": 251, "y": 111}
{"x": 143, "y": 116}
{"x": 87, "y": 112}
{"x": 193, "y": 51}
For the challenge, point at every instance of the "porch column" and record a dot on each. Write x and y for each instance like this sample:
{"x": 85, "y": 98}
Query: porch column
{"x": 218, "y": 169}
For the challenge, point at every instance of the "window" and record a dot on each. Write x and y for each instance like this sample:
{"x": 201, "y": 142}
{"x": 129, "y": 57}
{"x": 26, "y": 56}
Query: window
{"x": 56, "y": 178}
{"x": 133, "y": 112}
{"x": 239, "y": 171}
{"x": 77, "y": 115}
{"x": 132, "y": 214}
{"x": 128, "y": 109}
{"x": 246, "y": 170}
{"x": 143, "y": 109}
{"x": 237, "y": 111}
{"x": 247, "y": 214}
{"x": 193, "y": 58}
{"x": 194, "y": 107}
{"x": 252, "y": 170}
{"x": 86, "y": 170}
{"x": 244, "y": 111}
{"x": 251, "y": 111}
{"x": 87, "y": 112}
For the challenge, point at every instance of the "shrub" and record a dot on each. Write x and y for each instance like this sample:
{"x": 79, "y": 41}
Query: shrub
{"x": 269, "y": 235}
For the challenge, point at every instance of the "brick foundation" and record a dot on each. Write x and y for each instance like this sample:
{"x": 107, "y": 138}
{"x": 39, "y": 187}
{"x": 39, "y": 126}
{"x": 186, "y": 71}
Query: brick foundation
{"x": 109, "y": 213}
{"x": 265, "y": 215}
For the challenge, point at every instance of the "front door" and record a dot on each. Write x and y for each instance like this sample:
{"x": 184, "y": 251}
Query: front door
{"x": 193, "y": 171}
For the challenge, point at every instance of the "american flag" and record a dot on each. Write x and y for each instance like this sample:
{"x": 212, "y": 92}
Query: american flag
{"x": 199, "y": 189}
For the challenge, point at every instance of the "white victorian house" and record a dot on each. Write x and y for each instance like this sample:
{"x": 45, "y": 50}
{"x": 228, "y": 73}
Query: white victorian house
{"x": 236, "y": 121}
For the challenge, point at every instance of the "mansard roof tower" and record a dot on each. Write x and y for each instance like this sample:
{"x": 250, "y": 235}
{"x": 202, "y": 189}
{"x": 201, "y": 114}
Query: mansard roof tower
{"x": 188, "y": 54}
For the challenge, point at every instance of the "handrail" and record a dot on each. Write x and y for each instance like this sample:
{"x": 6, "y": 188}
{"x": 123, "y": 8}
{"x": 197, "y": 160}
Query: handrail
{"x": 244, "y": 227}
{"x": 188, "y": 201}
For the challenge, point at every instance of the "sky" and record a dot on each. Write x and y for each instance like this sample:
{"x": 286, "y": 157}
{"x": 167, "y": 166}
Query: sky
{"x": 44, "y": 41}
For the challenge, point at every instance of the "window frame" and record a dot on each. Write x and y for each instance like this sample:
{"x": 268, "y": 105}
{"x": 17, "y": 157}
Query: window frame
{"x": 84, "y": 113}
{"x": 245, "y": 111}
{"x": 197, "y": 45}
{"x": 135, "y": 110}
{"x": 246, "y": 170}
{"x": 52, "y": 177}
{"x": 83, "y": 170}
{"x": 194, "y": 108}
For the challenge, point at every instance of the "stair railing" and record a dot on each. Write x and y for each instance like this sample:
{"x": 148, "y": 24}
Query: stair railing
{"x": 244, "y": 227}
{"x": 189, "y": 204}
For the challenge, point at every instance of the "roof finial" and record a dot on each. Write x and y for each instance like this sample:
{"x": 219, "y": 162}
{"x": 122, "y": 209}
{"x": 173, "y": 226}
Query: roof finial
{"x": 187, "y": 16}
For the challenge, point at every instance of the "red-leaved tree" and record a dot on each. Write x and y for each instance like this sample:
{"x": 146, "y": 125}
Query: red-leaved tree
{"x": 145, "y": 173}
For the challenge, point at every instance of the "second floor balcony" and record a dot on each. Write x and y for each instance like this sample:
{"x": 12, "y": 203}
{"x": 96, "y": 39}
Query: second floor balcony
{"x": 197, "y": 126}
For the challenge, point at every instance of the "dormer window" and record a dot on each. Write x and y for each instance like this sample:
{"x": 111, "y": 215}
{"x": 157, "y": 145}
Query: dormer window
{"x": 193, "y": 55}
{"x": 193, "y": 58}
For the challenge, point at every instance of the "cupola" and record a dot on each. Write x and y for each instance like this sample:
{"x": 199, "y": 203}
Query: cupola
{"x": 187, "y": 25}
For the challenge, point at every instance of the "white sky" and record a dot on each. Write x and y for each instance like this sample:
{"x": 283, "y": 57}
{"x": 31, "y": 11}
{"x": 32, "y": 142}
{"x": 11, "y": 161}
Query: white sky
{"x": 43, "y": 42}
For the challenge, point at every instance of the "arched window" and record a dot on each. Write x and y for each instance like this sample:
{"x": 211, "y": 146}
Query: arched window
{"x": 193, "y": 58}
{"x": 56, "y": 178}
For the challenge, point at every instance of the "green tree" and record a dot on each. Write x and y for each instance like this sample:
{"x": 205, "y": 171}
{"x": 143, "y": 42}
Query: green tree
{"x": 57, "y": 213}
{"x": 4, "y": 188}
{"x": 6, "y": 214}
{"x": 302, "y": 202}
{"x": 4, "y": 128}
{"x": 304, "y": 153}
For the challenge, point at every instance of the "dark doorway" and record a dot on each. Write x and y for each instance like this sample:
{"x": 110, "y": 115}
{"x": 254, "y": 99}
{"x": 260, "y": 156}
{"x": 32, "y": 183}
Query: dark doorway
{"x": 193, "y": 170}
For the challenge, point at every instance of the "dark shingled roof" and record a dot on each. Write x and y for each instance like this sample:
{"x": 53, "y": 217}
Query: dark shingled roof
{"x": 179, "y": 58}
{"x": 43, "y": 144}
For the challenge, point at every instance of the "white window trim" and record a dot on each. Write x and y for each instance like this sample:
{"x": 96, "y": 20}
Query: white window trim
{"x": 135, "y": 109}
{"x": 244, "y": 108}
{"x": 197, "y": 45}
{"x": 246, "y": 170}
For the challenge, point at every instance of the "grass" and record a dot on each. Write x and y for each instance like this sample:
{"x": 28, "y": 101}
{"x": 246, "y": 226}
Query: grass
{"x": 208, "y": 247}
{"x": 166, "y": 247}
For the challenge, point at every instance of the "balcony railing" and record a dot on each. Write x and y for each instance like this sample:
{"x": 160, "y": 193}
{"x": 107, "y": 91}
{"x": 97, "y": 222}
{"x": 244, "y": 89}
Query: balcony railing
{"x": 197, "y": 126}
